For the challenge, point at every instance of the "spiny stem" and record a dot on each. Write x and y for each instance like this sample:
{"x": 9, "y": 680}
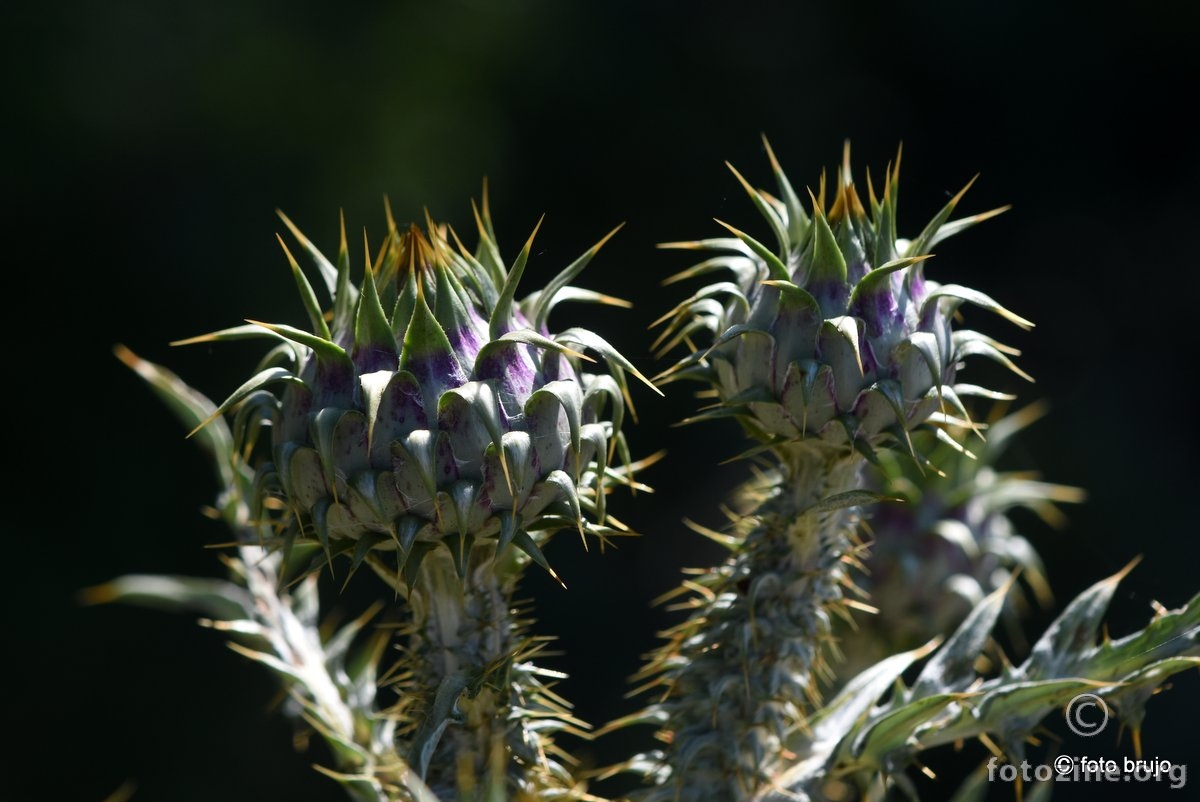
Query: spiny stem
{"x": 745, "y": 670}
{"x": 486, "y": 719}
{"x": 462, "y": 630}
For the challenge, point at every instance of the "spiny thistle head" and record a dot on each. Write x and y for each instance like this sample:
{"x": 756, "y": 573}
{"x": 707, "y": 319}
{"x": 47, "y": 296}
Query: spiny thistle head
{"x": 430, "y": 406}
{"x": 952, "y": 540}
{"x": 835, "y": 334}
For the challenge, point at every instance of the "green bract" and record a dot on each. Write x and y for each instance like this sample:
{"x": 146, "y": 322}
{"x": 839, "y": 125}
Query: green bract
{"x": 430, "y": 406}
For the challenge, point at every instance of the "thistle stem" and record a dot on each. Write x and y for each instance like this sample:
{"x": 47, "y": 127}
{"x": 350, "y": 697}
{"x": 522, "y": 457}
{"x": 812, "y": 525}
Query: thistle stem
{"x": 486, "y": 727}
{"x": 464, "y": 634}
{"x": 745, "y": 670}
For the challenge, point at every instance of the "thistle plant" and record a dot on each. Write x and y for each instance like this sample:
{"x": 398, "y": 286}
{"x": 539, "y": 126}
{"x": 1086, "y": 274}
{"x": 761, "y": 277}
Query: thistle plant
{"x": 432, "y": 428}
{"x": 827, "y": 348}
{"x": 429, "y": 426}
{"x": 834, "y": 352}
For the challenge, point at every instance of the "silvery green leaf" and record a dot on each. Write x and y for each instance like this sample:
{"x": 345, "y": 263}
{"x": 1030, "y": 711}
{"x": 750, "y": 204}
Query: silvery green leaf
{"x": 1074, "y": 631}
{"x": 218, "y": 599}
{"x": 952, "y": 668}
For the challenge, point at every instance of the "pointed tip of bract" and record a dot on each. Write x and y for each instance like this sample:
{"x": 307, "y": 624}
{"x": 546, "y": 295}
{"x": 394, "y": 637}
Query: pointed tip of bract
{"x": 959, "y": 195}
{"x": 600, "y": 244}
{"x": 775, "y": 266}
{"x": 437, "y": 231}
{"x": 127, "y": 357}
{"x": 827, "y": 263}
{"x": 199, "y": 338}
{"x": 203, "y": 425}
{"x": 1119, "y": 576}
{"x": 845, "y": 176}
{"x": 479, "y": 215}
{"x": 307, "y": 296}
{"x": 366, "y": 257}
{"x": 501, "y": 319}
{"x": 741, "y": 179}
{"x": 846, "y": 202}
{"x": 458, "y": 243}
{"x": 817, "y": 199}
{"x": 770, "y": 153}
{"x": 682, "y": 245}
{"x": 372, "y": 329}
{"x": 387, "y": 215}
{"x": 536, "y": 228}
{"x": 988, "y": 215}
{"x": 287, "y": 221}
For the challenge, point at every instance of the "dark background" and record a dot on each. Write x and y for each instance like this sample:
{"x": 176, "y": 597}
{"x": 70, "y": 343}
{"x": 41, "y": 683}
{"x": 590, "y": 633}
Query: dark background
{"x": 149, "y": 145}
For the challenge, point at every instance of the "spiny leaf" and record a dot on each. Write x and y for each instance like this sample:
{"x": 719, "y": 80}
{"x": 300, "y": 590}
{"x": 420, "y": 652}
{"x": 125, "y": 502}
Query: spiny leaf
{"x": 249, "y": 331}
{"x": 257, "y": 382}
{"x": 601, "y": 346}
{"x": 190, "y": 407}
{"x": 1075, "y": 629}
{"x": 502, "y": 318}
{"x": 979, "y": 299}
{"x": 307, "y": 296}
{"x": 324, "y": 350}
{"x": 215, "y": 598}
{"x": 953, "y": 667}
{"x": 924, "y": 240}
{"x": 979, "y": 346}
{"x": 487, "y": 252}
{"x": 548, "y": 295}
{"x": 328, "y": 272}
{"x": 775, "y": 267}
{"x": 827, "y": 263}
{"x": 772, "y": 217}
{"x": 371, "y": 327}
{"x": 956, "y": 226}
{"x": 346, "y": 294}
{"x": 798, "y": 220}
{"x": 531, "y": 337}
{"x": 525, "y": 543}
